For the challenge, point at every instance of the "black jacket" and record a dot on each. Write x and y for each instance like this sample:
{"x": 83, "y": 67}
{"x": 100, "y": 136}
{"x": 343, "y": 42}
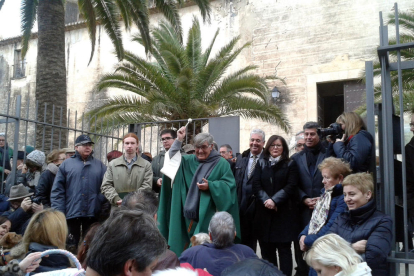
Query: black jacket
{"x": 51, "y": 263}
{"x": 44, "y": 186}
{"x": 366, "y": 223}
{"x": 277, "y": 182}
{"x": 239, "y": 171}
{"x": 357, "y": 151}
{"x": 310, "y": 184}
{"x": 19, "y": 220}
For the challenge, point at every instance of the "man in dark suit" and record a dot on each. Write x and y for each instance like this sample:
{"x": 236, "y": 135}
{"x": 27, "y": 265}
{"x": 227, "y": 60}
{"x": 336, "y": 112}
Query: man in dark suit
{"x": 243, "y": 173}
{"x": 310, "y": 180}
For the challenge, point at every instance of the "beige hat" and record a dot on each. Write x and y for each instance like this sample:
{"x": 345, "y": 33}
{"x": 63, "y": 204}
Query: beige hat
{"x": 69, "y": 150}
{"x": 18, "y": 192}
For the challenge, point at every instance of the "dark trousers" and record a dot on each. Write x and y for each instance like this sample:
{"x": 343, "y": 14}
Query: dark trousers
{"x": 247, "y": 234}
{"x": 302, "y": 268}
{"x": 75, "y": 225}
{"x": 268, "y": 250}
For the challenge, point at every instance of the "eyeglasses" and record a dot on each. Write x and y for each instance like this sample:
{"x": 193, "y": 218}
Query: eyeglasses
{"x": 411, "y": 125}
{"x": 2, "y": 140}
{"x": 276, "y": 146}
{"x": 202, "y": 147}
{"x": 87, "y": 145}
{"x": 300, "y": 145}
{"x": 255, "y": 140}
{"x": 165, "y": 139}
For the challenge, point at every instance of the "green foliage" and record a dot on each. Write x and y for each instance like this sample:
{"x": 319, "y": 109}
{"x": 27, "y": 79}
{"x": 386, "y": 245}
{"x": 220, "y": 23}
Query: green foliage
{"x": 108, "y": 13}
{"x": 406, "y": 23}
{"x": 185, "y": 82}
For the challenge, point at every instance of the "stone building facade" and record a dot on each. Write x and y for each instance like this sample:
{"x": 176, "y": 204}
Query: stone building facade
{"x": 318, "y": 46}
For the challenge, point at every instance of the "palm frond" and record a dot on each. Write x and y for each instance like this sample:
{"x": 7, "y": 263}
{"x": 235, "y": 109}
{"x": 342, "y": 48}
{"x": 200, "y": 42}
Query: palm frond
{"x": 170, "y": 10}
{"x": 106, "y": 13}
{"x": 88, "y": 12}
{"x": 28, "y": 11}
{"x": 1, "y": 3}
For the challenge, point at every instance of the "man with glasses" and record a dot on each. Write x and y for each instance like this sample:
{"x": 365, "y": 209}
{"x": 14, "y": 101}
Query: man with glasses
{"x": 167, "y": 139}
{"x": 202, "y": 185}
{"x": 300, "y": 141}
{"x": 243, "y": 173}
{"x": 76, "y": 190}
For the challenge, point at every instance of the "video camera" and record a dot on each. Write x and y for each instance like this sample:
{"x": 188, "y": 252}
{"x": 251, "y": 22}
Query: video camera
{"x": 334, "y": 129}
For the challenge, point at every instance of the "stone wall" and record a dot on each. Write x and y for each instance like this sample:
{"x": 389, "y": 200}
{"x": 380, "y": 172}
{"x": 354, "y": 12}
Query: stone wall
{"x": 305, "y": 42}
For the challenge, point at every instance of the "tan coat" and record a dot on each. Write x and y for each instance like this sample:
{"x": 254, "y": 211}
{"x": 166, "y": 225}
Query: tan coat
{"x": 119, "y": 179}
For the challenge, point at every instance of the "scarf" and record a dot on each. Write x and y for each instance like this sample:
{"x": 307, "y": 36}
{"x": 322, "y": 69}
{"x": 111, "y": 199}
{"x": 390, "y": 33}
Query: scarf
{"x": 274, "y": 160}
{"x": 192, "y": 202}
{"x": 312, "y": 156}
{"x": 320, "y": 214}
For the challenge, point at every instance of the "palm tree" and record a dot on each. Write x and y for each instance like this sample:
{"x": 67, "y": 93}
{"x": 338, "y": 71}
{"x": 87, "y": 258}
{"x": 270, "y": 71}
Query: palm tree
{"x": 406, "y": 22}
{"x": 51, "y": 70}
{"x": 185, "y": 82}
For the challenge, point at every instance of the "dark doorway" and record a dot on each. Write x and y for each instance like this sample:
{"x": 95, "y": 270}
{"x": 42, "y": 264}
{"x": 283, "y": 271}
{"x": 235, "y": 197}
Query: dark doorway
{"x": 337, "y": 97}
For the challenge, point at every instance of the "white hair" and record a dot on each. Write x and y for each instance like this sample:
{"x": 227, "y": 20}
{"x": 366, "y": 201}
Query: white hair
{"x": 332, "y": 250}
{"x": 178, "y": 271}
{"x": 222, "y": 229}
{"x": 258, "y": 131}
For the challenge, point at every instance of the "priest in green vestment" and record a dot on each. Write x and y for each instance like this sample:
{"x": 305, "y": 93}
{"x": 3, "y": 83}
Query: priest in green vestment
{"x": 203, "y": 185}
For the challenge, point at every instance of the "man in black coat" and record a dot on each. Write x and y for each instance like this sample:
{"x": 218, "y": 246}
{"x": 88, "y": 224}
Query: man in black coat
{"x": 310, "y": 180}
{"x": 409, "y": 163}
{"x": 243, "y": 173}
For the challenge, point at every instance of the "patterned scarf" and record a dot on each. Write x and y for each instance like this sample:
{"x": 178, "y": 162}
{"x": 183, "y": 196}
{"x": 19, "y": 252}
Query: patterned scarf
{"x": 274, "y": 160}
{"x": 320, "y": 213}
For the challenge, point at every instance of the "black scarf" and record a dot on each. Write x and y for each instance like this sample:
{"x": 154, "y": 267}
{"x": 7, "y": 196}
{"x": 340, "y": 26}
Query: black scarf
{"x": 4, "y": 151}
{"x": 312, "y": 156}
{"x": 192, "y": 202}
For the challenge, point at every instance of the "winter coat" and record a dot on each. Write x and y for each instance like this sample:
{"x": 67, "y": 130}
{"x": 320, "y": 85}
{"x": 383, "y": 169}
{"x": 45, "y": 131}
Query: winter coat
{"x": 44, "y": 186}
{"x": 213, "y": 259}
{"x": 119, "y": 180}
{"x": 252, "y": 267}
{"x": 310, "y": 184}
{"x": 278, "y": 183}
{"x": 157, "y": 164}
{"x": 362, "y": 270}
{"x": 409, "y": 164}
{"x": 4, "y": 204}
{"x": 366, "y": 223}
{"x": 5, "y": 158}
{"x": 76, "y": 190}
{"x": 356, "y": 150}
{"x": 19, "y": 219}
{"x": 336, "y": 207}
{"x": 51, "y": 263}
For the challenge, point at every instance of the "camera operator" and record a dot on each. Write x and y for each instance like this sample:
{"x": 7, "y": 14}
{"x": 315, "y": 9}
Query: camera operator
{"x": 22, "y": 208}
{"x": 32, "y": 169}
{"x": 356, "y": 143}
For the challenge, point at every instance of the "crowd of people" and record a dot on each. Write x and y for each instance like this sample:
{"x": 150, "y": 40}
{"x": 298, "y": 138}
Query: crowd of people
{"x": 201, "y": 207}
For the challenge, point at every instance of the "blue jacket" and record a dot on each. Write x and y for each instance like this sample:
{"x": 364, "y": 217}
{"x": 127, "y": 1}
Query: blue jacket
{"x": 337, "y": 206}
{"x": 213, "y": 259}
{"x": 366, "y": 223}
{"x": 76, "y": 188}
{"x": 357, "y": 151}
{"x": 52, "y": 262}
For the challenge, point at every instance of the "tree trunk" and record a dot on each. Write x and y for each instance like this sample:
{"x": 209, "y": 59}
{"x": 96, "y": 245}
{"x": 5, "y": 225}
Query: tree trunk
{"x": 51, "y": 73}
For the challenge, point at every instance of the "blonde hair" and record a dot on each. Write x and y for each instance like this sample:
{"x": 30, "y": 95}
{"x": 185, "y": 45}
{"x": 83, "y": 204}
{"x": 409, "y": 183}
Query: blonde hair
{"x": 336, "y": 166}
{"x": 362, "y": 181}
{"x": 353, "y": 123}
{"x": 332, "y": 250}
{"x": 54, "y": 155}
{"x": 47, "y": 227}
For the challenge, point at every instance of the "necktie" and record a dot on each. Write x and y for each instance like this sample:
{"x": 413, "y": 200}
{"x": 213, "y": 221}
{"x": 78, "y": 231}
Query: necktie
{"x": 253, "y": 165}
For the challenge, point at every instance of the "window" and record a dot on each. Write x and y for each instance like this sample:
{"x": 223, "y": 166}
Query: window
{"x": 19, "y": 67}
